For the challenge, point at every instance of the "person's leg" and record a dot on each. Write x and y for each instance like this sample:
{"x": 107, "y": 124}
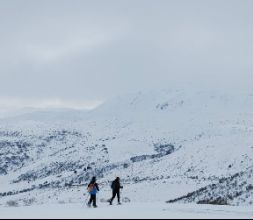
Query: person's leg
{"x": 94, "y": 201}
{"x": 90, "y": 200}
{"x": 113, "y": 196}
{"x": 118, "y": 195}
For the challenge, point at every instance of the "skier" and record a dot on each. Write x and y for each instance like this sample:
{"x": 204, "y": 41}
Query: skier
{"x": 115, "y": 190}
{"x": 93, "y": 189}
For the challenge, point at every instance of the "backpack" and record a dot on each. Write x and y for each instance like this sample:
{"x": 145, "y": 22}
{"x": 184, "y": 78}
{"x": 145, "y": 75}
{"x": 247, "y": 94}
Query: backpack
{"x": 90, "y": 188}
{"x": 113, "y": 185}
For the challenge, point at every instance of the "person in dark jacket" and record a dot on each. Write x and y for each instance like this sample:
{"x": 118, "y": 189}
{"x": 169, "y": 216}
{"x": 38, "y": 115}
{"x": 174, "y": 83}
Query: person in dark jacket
{"x": 115, "y": 190}
{"x": 93, "y": 189}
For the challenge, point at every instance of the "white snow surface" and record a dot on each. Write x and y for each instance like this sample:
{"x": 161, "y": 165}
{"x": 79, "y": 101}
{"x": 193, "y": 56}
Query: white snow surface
{"x": 127, "y": 211}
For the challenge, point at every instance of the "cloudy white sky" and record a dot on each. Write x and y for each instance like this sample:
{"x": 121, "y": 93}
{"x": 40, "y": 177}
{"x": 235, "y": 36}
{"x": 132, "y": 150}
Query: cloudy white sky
{"x": 77, "y": 53}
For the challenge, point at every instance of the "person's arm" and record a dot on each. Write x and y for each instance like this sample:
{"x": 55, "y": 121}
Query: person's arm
{"x": 97, "y": 186}
{"x": 120, "y": 186}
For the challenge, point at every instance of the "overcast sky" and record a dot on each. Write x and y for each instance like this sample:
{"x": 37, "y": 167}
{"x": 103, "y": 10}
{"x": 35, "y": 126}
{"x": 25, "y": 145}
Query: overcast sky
{"x": 77, "y": 53}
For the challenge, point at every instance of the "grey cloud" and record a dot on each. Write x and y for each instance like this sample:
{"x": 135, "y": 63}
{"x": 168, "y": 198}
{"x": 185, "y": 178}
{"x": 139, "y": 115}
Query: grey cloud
{"x": 92, "y": 50}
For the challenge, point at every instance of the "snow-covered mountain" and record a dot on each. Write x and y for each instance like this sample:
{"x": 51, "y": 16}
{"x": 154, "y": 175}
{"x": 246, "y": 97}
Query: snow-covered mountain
{"x": 168, "y": 145}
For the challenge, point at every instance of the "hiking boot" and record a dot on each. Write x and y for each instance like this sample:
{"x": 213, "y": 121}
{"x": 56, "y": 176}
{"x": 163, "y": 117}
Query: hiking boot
{"x": 95, "y": 206}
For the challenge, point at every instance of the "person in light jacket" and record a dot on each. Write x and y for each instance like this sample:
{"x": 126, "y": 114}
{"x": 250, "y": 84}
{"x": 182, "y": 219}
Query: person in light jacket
{"x": 93, "y": 189}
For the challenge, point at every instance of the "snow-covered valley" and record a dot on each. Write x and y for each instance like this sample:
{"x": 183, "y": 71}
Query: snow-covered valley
{"x": 168, "y": 146}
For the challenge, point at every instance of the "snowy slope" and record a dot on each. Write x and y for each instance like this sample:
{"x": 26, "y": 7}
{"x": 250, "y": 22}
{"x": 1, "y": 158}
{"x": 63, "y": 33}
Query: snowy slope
{"x": 194, "y": 146}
